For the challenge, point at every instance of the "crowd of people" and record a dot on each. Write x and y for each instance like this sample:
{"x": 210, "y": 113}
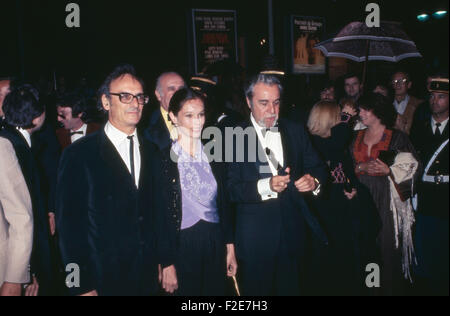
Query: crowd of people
{"x": 298, "y": 203}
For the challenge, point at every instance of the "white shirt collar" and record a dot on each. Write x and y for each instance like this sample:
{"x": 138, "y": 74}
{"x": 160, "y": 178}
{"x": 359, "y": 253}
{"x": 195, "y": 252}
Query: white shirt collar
{"x": 401, "y": 106}
{"x": 83, "y": 129}
{"x": 442, "y": 127}
{"x": 26, "y": 135}
{"x": 116, "y": 136}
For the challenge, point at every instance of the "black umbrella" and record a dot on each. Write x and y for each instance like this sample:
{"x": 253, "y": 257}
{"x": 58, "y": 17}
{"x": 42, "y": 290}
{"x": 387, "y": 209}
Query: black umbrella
{"x": 359, "y": 42}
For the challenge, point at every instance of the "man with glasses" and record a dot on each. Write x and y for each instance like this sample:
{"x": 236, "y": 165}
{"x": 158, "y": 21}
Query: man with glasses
{"x": 106, "y": 198}
{"x": 404, "y": 103}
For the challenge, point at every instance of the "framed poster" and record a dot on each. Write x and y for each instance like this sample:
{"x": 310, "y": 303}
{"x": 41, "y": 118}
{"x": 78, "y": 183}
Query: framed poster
{"x": 307, "y": 32}
{"x": 215, "y": 37}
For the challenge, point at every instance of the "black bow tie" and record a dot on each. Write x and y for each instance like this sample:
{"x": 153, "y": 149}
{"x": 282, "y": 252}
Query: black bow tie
{"x": 272, "y": 129}
{"x": 75, "y": 133}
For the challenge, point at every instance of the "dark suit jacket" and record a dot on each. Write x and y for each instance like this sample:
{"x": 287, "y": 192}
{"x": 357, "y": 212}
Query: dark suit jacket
{"x": 64, "y": 134}
{"x": 157, "y": 131}
{"x": 261, "y": 226}
{"x": 171, "y": 195}
{"x": 40, "y": 258}
{"x": 47, "y": 152}
{"x": 107, "y": 225}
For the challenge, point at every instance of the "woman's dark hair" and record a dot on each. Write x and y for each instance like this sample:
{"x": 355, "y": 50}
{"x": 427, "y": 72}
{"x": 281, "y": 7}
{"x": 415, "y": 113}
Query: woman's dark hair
{"x": 181, "y": 97}
{"x": 21, "y": 106}
{"x": 119, "y": 71}
{"x": 380, "y": 106}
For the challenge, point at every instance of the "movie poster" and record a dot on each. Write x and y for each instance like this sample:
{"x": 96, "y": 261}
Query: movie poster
{"x": 214, "y": 37}
{"x": 307, "y": 32}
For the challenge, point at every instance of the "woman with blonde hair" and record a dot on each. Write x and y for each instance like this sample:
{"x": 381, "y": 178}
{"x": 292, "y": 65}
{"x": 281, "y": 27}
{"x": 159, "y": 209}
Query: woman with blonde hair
{"x": 340, "y": 208}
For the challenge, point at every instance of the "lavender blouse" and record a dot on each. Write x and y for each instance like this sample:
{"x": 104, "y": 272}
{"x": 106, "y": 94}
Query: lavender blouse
{"x": 198, "y": 187}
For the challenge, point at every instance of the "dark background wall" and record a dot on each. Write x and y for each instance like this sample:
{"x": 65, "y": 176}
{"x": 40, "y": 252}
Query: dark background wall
{"x": 153, "y": 35}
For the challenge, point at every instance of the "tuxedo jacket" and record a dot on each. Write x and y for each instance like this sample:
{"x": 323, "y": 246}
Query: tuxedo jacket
{"x": 40, "y": 258}
{"x": 157, "y": 131}
{"x": 64, "y": 134}
{"x": 105, "y": 223}
{"x": 16, "y": 218}
{"x": 262, "y": 225}
{"x": 47, "y": 152}
{"x": 170, "y": 194}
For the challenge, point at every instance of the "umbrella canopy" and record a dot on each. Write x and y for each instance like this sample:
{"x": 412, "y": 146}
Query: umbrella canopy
{"x": 360, "y": 43}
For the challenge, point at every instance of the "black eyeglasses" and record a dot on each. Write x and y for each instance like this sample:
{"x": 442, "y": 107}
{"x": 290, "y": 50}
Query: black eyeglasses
{"x": 399, "y": 81}
{"x": 127, "y": 98}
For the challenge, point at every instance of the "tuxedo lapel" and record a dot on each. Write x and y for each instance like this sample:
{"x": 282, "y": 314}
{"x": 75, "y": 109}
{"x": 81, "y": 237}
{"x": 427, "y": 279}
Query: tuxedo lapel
{"x": 253, "y": 149}
{"x": 285, "y": 144}
{"x": 144, "y": 162}
{"x": 115, "y": 165}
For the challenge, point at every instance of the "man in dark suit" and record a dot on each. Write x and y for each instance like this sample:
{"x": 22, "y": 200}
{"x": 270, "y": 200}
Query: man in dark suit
{"x": 24, "y": 115}
{"x": 105, "y": 201}
{"x": 270, "y": 193}
{"x": 161, "y": 131}
{"x": 432, "y": 220}
{"x": 73, "y": 115}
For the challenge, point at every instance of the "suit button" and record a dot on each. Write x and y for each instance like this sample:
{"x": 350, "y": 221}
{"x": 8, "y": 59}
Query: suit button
{"x": 437, "y": 161}
{"x": 174, "y": 180}
{"x": 141, "y": 218}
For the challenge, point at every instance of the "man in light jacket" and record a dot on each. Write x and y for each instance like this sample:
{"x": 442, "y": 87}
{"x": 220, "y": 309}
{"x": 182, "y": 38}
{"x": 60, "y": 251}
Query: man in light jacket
{"x": 16, "y": 223}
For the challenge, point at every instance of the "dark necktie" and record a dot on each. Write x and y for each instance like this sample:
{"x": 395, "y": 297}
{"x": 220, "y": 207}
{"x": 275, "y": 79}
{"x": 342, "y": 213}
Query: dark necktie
{"x": 76, "y": 133}
{"x": 132, "y": 157}
{"x": 437, "y": 132}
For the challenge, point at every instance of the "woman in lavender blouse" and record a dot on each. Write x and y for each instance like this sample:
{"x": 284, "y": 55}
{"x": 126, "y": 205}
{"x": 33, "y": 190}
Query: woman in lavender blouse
{"x": 197, "y": 252}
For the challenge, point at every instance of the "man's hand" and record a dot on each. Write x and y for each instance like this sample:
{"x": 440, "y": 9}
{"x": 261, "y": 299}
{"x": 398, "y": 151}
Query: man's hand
{"x": 169, "y": 279}
{"x": 279, "y": 183}
{"x": 52, "y": 223}
{"x": 231, "y": 261}
{"x": 306, "y": 184}
{"x": 10, "y": 289}
{"x": 91, "y": 293}
{"x": 33, "y": 288}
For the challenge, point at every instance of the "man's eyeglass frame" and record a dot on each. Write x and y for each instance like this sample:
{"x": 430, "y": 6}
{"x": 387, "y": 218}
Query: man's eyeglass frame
{"x": 122, "y": 96}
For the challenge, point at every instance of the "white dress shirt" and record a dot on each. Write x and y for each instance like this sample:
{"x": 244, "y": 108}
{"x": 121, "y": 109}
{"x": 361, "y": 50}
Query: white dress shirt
{"x": 401, "y": 106}
{"x": 25, "y": 135}
{"x": 271, "y": 140}
{"x": 122, "y": 145}
{"x": 76, "y": 137}
{"x": 441, "y": 128}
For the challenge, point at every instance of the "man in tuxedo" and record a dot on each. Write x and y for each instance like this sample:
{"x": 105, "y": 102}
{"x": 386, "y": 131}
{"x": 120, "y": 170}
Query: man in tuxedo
{"x": 105, "y": 198}
{"x": 272, "y": 215}
{"x": 25, "y": 115}
{"x": 16, "y": 223}
{"x": 73, "y": 113}
{"x": 432, "y": 221}
{"x": 161, "y": 131}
